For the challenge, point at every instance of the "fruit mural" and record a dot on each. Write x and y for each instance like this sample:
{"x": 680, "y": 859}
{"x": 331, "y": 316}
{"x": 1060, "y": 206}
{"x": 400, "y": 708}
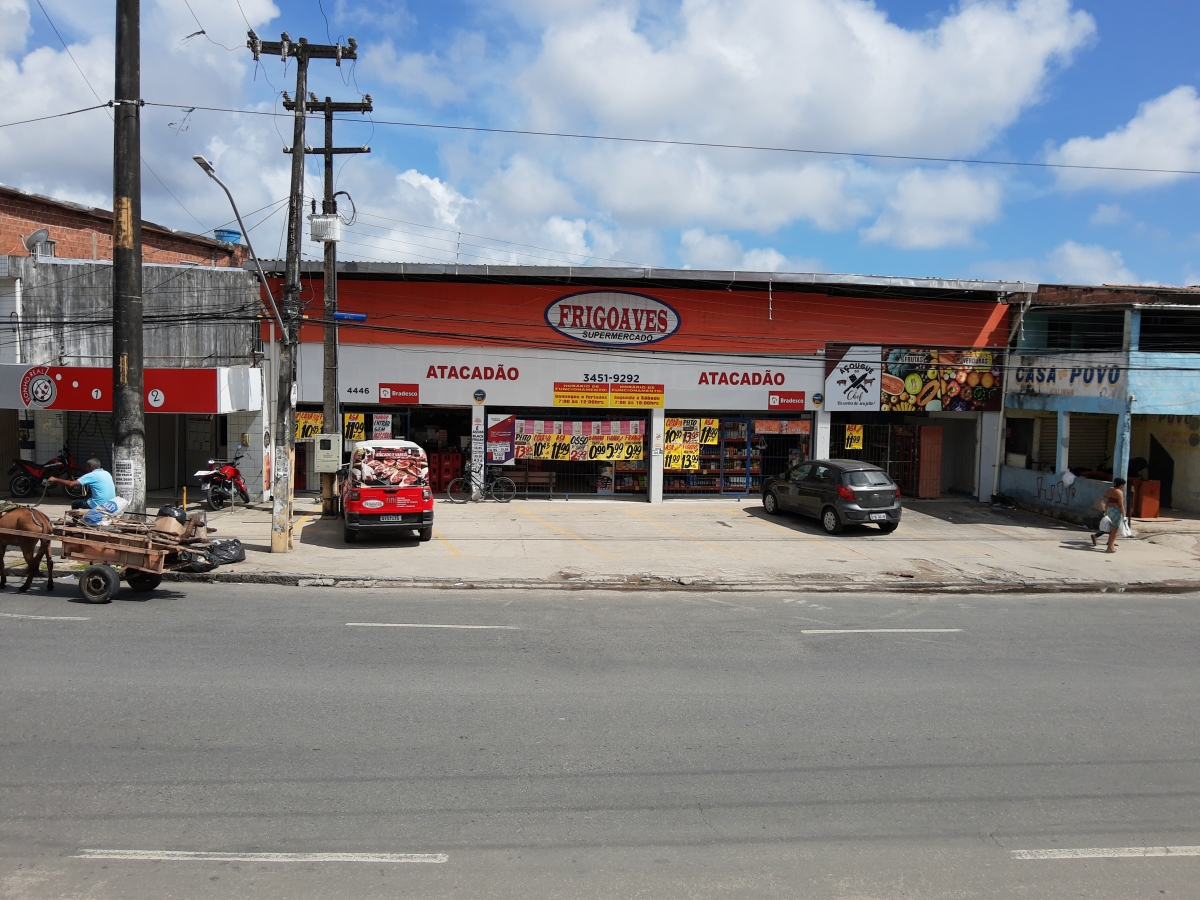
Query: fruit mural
{"x": 926, "y": 380}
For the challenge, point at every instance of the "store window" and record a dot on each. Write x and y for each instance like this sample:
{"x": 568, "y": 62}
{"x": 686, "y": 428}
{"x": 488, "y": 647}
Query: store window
{"x": 731, "y": 455}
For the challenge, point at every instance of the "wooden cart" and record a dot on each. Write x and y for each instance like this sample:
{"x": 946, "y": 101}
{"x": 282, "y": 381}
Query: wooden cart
{"x": 127, "y": 550}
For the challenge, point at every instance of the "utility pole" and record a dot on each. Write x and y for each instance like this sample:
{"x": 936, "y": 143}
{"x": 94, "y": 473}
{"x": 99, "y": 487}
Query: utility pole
{"x": 329, "y": 385}
{"x": 128, "y": 411}
{"x": 282, "y": 481}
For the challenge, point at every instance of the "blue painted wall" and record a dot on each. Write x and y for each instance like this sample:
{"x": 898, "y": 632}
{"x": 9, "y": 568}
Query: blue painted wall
{"x": 1165, "y": 384}
{"x": 1045, "y": 492}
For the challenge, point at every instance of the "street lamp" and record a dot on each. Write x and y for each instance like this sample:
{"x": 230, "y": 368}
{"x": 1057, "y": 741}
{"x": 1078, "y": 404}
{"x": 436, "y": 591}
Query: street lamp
{"x": 212, "y": 173}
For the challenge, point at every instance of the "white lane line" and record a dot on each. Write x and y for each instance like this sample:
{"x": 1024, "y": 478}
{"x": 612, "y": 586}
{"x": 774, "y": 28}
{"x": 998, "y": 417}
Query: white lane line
{"x": 422, "y": 625}
{"x": 50, "y": 618}
{"x": 879, "y": 630}
{"x": 1106, "y": 853}
{"x": 218, "y": 856}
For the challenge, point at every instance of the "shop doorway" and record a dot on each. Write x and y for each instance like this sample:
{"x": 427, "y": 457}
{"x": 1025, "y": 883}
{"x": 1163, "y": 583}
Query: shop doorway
{"x": 734, "y": 454}
{"x": 918, "y": 457}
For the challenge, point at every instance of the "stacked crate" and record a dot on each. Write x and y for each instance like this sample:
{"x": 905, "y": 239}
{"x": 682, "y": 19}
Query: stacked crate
{"x": 435, "y": 472}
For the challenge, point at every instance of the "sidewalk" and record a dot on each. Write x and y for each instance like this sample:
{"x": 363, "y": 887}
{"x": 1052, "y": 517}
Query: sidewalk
{"x": 722, "y": 544}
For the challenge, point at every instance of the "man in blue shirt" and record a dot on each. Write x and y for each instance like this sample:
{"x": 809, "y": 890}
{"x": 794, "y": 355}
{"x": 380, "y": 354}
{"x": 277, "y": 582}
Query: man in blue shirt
{"x": 98, "y": 482}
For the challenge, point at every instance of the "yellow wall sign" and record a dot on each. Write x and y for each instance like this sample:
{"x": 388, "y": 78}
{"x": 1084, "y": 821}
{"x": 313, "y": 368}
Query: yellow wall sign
{"x": 308, "y": 424}
{"x": 854, "y": 437}
{"x": 609, "y": 396}
{"x": 681, "y": 457}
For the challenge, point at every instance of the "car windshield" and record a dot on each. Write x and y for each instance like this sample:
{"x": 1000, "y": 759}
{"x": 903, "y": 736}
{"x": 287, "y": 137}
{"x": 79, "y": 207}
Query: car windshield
{"x": 867, "y": 478}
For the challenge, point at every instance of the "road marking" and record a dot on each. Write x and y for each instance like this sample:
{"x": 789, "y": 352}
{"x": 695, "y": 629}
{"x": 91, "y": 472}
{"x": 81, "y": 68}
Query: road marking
{"x": 445, "y": 543}
{"x": 423, "y": 625}
{"x": 573, "y": 537}
{"x": 1106, "y": 853}
{"x": 218, "y": 856}
{"x": 879, "y": 630}
{"x": 300, "y": 523}
{"x": 50, "y": 618}
{"x": 684, "y": 533}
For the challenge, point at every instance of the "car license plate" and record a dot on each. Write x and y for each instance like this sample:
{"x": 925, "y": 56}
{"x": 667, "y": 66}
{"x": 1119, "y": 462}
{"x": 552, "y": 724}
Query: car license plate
{"x": 878, "y": 517}
{"x": 391, "y": 518}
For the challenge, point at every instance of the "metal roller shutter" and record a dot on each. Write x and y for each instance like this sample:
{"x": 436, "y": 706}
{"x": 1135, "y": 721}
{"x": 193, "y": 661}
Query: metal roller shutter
{"x": 90, "y": 435}
{"x": 1091, "y": 444}
{"x": 1048, "y": 442}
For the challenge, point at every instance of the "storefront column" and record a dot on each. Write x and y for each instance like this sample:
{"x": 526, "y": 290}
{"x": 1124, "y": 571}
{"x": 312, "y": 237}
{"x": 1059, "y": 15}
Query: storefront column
{"x": 1121, "y": 448}
{"x": 1064, "y": 441}
{"x": 989, "y": 445}
{"x": 821, "y": 444}
{"x": 658, "y": 428}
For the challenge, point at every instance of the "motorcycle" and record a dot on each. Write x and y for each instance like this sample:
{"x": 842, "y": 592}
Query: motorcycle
{"x": 29, "y": 477}
{"x": 219, "y": 482}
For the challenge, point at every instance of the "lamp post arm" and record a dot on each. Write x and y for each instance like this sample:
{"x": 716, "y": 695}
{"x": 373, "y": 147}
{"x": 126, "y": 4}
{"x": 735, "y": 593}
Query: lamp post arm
{"x": 249, "y": 246}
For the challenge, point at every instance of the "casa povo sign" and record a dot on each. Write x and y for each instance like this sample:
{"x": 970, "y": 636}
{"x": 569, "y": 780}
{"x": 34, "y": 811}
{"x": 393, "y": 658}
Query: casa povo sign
{"x": 612, "y": 318}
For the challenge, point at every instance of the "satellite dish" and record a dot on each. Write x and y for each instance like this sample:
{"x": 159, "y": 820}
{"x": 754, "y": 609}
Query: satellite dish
{"x": 38, "y": 237}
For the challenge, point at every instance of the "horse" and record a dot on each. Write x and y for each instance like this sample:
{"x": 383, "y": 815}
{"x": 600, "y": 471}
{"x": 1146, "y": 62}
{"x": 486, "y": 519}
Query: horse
{"x": 35, "y": 547}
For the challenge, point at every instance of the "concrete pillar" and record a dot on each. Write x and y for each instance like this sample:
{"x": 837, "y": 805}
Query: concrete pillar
{"x": 1064, "y": 441}
{"x": 1121, "y": 445}
{"x": 989, "y": 445}
{"x": 654, "y": 471}
{"x": 821, "y": 438}
{"x": 479, "y": 446}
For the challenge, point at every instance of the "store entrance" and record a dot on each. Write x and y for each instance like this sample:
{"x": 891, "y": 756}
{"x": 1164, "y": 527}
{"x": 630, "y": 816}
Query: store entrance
{"x": 730, "y": 455}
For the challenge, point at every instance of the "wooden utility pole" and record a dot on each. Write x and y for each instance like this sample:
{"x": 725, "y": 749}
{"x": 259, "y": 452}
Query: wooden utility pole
{"x": 128, "y": 411}
{"x": 329, "y": 385}
{"x": 282, "y": 471}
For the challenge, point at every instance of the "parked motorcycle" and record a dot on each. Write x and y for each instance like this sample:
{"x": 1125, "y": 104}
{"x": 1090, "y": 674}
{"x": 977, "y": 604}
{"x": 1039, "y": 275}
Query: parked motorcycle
{"x": 219, "y": 482}
{"x": 29, "y": 477}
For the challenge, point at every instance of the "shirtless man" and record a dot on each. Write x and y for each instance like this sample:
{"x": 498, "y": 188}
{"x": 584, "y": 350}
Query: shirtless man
{"x": 1114, "y": 511}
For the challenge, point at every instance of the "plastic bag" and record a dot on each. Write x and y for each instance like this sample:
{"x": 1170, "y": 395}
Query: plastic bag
{"x": 230, "y": 551}
{"x": 1106, "y": 524}
{"x": 1125, "y": 531}
{"x": 102, "y": 514}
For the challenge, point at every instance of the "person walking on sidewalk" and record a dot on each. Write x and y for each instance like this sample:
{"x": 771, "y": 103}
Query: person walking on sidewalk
{"x": 97, "y": 481}
{"x": 1114, "y": 513}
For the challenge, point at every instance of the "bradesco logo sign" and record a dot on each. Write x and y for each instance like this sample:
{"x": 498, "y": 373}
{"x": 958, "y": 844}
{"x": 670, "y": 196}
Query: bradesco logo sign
{"x": 612, "y": 318}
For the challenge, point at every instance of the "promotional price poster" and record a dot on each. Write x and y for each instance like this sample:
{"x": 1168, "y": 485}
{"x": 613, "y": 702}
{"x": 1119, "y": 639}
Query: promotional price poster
{"x": 354, "y": 426}
{"x": 309, "y": 424}
{"x": 573, "y": 441}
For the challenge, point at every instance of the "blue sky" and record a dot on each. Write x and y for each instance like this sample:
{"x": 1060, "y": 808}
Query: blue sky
{"x": 1093, "y": 83}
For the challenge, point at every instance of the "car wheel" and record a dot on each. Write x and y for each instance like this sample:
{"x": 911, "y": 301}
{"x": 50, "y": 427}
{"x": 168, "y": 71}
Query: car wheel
{"x": 425, "y": 534}
{"x": 771, "y": 503}
{"x": 349, "y": 535}
{"x": 830, "y": 521}
{"x": 889, "y": 527}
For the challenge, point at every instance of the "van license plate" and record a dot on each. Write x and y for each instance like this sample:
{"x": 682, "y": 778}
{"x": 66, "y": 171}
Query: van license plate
{"x": 878, "y": 517}
{"x": 391, "y": 518}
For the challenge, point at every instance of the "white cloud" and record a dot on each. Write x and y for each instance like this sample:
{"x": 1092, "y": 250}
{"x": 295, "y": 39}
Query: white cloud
{"x": 1165, "y": 134}
{"x": 422, "y": 74}
{"x": 700, "y": 250}
{"x": 1108, "y": 214}
{"x": 1072, "y": 263}
{"x": 14, "y": 25}
{"x": 937, "y": 209}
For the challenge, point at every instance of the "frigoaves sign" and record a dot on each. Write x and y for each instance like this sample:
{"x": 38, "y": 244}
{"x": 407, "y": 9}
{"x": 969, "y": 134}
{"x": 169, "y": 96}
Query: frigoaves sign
{"x": 612, "y": 318}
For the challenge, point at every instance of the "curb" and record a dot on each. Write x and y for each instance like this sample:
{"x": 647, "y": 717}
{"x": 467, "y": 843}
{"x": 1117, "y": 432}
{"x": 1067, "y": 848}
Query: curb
{"x": 900, "y": 586}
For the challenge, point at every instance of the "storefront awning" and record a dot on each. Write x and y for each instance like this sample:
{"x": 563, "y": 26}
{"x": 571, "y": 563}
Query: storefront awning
{"x": 89, "y": 389}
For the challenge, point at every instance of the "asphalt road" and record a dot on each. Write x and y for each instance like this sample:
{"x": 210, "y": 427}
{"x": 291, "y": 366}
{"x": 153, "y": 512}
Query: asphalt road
{"x": 598, "y": 745}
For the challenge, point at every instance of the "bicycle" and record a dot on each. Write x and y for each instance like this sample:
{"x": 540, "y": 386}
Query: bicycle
{"x": 467, "y": 487}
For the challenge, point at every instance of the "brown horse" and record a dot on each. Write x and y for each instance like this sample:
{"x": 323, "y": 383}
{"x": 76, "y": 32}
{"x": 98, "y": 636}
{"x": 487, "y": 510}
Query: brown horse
{"x": 35, "y": 547}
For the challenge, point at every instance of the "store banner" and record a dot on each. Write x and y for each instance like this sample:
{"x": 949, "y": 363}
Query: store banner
{"x": 928, "y": 380}
{"x": 309, "y": 424}
{"x": 605, "y": 396}
{"x": 782, "y": 426}
{"x": 564, "y": 447}
{"x": 852, "y": 376}
{"x": 501, "y": 432}
{"x": 381, "y": 426}
{"x": 854, "y": 437}
{"x": 354, "y": 427}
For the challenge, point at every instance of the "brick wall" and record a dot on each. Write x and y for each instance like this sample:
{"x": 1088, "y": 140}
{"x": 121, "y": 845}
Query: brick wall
{"x": 82, "y": 233}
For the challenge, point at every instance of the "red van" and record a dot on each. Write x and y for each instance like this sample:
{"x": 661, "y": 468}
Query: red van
{"x": 387, "y": 490}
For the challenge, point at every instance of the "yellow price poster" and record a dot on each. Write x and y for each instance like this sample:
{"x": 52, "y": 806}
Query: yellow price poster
{"x": 354, "y": 426}
{"x": 854, "y": 437}
{"x": 615, "y": 446}
{"x": 708, "y": 430}
{"x": 309, "y": 424}
{"x": 681, "y": 457}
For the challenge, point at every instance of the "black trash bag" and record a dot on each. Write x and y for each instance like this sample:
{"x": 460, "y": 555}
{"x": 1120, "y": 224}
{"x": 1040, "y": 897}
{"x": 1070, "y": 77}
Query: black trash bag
{"x": 196, "y": 562}
{"x": 224, "y": 552}
{"x": 175, "y": 513}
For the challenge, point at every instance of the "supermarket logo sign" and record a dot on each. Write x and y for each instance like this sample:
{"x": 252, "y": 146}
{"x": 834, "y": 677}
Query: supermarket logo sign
{"x": 612, "y": 318}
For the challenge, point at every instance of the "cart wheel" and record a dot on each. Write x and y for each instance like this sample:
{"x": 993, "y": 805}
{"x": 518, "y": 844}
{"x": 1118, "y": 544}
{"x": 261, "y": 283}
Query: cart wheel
{"x": 99, "y": 584}
{"x": 142, "y": 581}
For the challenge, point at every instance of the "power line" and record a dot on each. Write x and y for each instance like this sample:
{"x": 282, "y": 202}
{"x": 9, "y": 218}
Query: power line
{"x": 60, "y": 115}
{"x": 718, "y": 146}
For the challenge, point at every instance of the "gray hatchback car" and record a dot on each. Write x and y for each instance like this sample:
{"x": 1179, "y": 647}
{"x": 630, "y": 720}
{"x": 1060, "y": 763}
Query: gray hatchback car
{"x": 838, "y": 492}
